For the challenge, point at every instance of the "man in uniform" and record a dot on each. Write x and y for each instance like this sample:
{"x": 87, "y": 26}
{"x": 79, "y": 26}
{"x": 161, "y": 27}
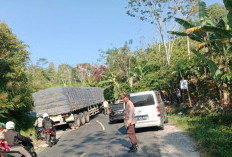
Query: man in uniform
{"x": 130, "y": 122}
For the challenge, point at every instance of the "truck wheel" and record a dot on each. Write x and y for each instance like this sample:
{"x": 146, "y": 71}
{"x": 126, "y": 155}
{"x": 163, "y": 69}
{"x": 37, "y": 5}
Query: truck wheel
{"x": 82, "y": 118}
{"x": 77, "y": 121}
{"x": 86, "y": 114}
{"x": 71, "y": 124}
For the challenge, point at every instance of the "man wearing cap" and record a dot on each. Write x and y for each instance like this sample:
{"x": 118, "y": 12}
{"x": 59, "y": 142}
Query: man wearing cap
{"x": 130, "y": 122}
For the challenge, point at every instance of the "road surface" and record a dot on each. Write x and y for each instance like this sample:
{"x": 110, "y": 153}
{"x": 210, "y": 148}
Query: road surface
{"x": 99, "y": 138}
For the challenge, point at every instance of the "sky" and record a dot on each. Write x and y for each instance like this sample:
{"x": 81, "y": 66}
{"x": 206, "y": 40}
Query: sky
{"x": 74, "y": 31}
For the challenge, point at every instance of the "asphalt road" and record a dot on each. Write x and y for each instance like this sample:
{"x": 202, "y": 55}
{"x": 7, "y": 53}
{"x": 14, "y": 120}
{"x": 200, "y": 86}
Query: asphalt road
{"x": 99, "y": 138}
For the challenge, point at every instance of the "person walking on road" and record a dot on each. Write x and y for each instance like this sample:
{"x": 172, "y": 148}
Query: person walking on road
{"x": 130, "y": 122}
{"x": 106, "y": 106}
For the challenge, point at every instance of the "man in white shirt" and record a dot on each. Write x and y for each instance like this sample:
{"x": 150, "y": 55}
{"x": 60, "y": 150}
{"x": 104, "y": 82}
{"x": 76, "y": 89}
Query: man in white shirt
{"x": 105, "y": 105}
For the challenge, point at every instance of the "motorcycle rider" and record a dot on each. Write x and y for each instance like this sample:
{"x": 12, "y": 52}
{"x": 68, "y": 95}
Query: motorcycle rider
{"x": 13, "y": 138}
{"x": 48, "y": 124}
{"x": 2, "y": 130}
{"x": 38, "y": 125}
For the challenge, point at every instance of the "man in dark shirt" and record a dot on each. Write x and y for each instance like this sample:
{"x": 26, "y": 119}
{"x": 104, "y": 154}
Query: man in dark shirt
{"x": 130, "y": 122}
{"x": 13, "y": 138}
{"x": 48, "y": 124}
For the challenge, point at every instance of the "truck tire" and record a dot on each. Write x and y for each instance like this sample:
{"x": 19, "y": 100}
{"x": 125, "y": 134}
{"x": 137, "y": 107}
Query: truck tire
{"x": 82, "y": 118}
{"x": 70, "y": 124}
{"x": 86, "y": 114}
{"x": 77, "y": 121}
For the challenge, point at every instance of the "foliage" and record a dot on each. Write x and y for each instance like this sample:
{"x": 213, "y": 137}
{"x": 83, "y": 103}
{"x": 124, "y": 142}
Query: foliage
{"x": 15, "y": 93}
{"x": 215, "y": 40}
{"x": 212, "y": 132}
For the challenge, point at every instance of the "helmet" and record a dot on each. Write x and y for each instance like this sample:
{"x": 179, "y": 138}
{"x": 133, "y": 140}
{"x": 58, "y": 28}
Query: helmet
{"x": 45, "y": 115}
{"x": 10, "y": 125}
{"x": 3, "y": 125}
{"x": 39, "y": 115}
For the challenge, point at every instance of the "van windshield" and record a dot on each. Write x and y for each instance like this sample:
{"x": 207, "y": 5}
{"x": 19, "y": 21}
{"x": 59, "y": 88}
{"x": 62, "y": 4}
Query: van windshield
{"x": 142, "y": 100}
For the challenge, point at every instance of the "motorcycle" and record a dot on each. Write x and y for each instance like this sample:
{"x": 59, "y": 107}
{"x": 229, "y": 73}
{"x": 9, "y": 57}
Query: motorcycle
{"x": 50, "y": 137}
{"x": 28, "y": 145}
{"x": 41, "y": 134}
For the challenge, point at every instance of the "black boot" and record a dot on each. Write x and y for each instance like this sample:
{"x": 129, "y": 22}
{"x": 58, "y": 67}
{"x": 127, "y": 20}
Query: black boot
{"x": 133, "y": 148}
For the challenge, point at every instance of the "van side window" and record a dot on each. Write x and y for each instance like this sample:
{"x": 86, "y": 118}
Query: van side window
{"x": 142, "y": 100}
{"x": 158, "y": 98}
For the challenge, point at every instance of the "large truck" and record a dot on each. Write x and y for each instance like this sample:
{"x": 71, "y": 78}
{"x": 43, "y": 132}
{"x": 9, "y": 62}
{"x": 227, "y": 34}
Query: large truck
{"x": 69, "y": 105}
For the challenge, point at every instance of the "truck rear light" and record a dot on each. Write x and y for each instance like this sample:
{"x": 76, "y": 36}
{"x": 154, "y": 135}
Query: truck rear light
{"x": 158, "y": 109}
{"x": 158, "y": 115}
{"x": 124, "y": 118}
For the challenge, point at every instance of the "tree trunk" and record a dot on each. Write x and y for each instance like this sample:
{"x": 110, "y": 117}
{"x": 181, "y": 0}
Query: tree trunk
{"x": 188, "y": 44}
{"x": 225, "y": 95}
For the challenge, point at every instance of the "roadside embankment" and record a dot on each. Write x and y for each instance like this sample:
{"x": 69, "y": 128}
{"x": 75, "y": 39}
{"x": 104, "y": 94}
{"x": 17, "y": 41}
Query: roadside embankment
{"x": 212, "y": 132}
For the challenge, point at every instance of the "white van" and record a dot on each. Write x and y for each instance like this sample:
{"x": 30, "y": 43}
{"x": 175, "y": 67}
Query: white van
{"x": 149, "y": 109}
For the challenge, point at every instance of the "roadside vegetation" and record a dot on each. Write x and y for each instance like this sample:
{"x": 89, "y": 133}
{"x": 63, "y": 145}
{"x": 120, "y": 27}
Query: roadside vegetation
{"x": 192, "y": 42}
{"x": 211, "y": 131}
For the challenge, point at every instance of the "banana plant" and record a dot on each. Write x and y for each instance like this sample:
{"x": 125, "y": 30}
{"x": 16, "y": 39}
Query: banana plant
{"x": 216, "y": 38}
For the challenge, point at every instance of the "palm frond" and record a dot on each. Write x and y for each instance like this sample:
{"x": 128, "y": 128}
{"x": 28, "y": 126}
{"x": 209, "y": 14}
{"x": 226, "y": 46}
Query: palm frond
{"x": 212, "y": 42}
{"x": 214, "y": 71}
{"x": 217, "y": 30}
{"x": 203, "y": 45}
{"x": 195, "y": 37}
{"x": 184, "y": 23}
{"x": 194, "y": 29}
{"x": 213, "y": 29}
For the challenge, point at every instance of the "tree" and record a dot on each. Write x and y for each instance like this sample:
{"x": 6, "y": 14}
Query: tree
{"x": 15, "y": 94}
{"x": 216, "y": 12}
{"x": 215, "y": 40}
{"x": 64, "y": 74}
{"x": 161, "y": 13}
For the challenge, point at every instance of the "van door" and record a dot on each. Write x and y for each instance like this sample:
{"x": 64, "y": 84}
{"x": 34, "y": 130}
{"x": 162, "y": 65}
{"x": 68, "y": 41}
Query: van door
{"x": 145, "y": 108}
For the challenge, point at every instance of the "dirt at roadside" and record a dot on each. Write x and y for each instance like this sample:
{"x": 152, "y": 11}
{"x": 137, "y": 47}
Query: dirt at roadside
{"x": 174, "y": 142}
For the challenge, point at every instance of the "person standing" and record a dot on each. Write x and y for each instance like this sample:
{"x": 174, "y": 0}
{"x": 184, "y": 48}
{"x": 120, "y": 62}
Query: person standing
{"x": 38, "y": 126}
{"x": 178, "y": 95}
{"x": 130, "y": 123}
{"x": 106, "y": 106}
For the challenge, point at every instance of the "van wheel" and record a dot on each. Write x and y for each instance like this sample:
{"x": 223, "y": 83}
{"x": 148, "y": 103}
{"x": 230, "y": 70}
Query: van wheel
{"x": 82, "y": 118}
{"x": 77, "y": 121}
{"x": 86, "y": 114}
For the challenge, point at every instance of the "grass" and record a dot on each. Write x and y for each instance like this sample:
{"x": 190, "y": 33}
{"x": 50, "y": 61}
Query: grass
{"x": 212, "y": 132}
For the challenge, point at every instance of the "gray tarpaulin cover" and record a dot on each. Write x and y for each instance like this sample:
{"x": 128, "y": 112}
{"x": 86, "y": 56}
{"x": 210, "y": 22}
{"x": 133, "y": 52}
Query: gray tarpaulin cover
{"x": 60, "y": 100}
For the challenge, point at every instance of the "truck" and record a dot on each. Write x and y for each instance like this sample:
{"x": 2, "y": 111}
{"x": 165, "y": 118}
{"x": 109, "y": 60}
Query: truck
{"x": 69, "y": 105}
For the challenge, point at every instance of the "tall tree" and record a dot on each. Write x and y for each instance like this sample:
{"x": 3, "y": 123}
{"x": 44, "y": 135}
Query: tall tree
{"x": 161, "y": 13}
{"x": 14, "y": 90}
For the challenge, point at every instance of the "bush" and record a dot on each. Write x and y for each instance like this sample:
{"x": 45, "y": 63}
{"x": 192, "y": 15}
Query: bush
{"x": 213, "y": 133}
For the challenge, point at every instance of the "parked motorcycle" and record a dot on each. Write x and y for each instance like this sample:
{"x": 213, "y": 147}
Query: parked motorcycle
{"x": 50, "y": 137}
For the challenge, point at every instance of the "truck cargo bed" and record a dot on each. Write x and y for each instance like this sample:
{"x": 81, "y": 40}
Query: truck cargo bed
{"x": 61, "y": 100}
